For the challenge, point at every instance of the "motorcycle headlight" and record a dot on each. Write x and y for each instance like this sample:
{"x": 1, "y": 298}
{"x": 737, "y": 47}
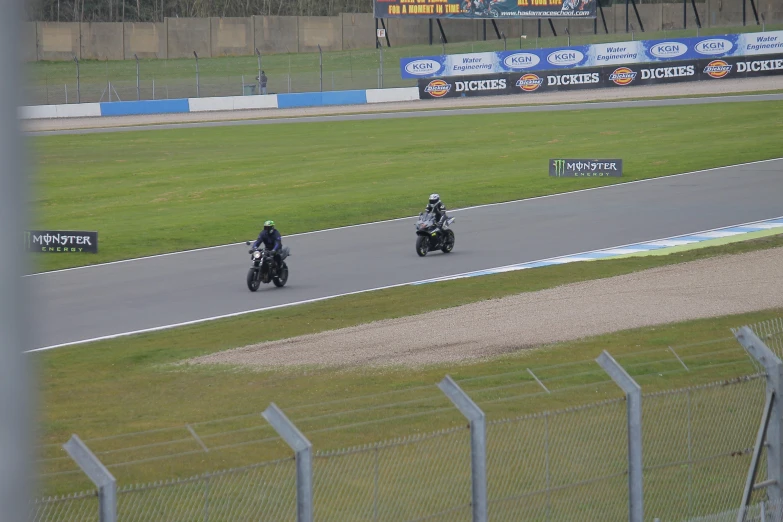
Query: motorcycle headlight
{"x": 256, "y": 254}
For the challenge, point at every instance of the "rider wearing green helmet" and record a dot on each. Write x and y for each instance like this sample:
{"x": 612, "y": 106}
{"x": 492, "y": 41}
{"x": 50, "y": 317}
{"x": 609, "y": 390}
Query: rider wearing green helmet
{"x": 271, "y": 240}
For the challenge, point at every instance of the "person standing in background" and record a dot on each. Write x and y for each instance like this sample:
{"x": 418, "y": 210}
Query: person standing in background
{"x": 262, "y": 82}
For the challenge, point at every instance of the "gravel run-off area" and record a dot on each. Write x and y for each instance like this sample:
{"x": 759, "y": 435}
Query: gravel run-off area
{"x": 718, "y": 87}
{"x": 708, "y": 288}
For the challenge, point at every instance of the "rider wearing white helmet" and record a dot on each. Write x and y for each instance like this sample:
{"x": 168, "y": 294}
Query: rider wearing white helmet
{"x": 436, "y": 205}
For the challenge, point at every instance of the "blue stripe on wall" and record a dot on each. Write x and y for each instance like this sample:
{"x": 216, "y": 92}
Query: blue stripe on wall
{"x": 314, "y": 99}
{"x": 344, "y": 97}
{"x": 144, "y": 107}
{"x": 300, "y": 99}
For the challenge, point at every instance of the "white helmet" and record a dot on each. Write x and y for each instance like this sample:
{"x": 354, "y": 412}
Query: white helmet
{"x": 434, "y": 199}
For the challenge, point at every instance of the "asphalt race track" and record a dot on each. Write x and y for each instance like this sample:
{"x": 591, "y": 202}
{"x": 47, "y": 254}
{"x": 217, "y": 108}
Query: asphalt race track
{"x": 106, "y": 300}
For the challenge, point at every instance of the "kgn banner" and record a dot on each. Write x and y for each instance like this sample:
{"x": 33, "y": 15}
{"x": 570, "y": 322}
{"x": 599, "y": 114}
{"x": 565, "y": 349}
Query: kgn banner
{"x": 597, "y": 55}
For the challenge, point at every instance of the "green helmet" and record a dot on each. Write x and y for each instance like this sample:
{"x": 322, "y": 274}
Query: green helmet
{"x": 269, "y": 225}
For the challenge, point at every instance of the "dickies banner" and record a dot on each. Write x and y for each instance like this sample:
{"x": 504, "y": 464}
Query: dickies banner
{"x": 59, "y": 241}
{"x": 478, "y": 9}
{"x": 616, "y": 76}
{"x": 597, "y": 55}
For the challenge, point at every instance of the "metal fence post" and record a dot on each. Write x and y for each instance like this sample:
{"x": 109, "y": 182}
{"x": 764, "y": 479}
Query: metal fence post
{"x": 258, "y": 54}
{"x": 98, "y": 474}
{"x": 774, "y": 369}
{"x": 633, "y": 398}
{"x": 138, "y": 83}
{"x": 304, "y": 460}
{"x": 321, "y": 67}
{"x": 478, "y": 444}
{"x": 78, "y": 82}
{"x": 17, "y": 389}
{"x": 198, "y": 94}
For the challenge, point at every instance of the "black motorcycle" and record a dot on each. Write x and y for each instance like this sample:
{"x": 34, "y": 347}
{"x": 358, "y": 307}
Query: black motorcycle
{"x": 264, "y": 268}
{"x": 431, "y": 236}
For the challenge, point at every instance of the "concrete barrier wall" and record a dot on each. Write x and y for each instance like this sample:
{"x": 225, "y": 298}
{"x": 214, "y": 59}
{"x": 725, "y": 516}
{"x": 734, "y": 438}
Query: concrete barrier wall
{"x": 392, "y": 95}
{"x": 179, "y": 37}
{"x": 58, "y": 41}
{"x": 232, "y": 36}
{"x": 358, "y": 31}
{"x": 29, "y": 45}
{"x": 403, "y": 31}
{"x": 185, "y": 35}
{"x": 325, "y": 31}
{"x": 145, "y": 40}
{"x": 233, "y": 103}
{"x": 276, "y": 34}
{"x": 102, "y": 41}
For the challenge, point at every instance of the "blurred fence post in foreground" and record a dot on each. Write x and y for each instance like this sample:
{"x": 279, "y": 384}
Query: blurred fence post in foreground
{"x": 17, "y": 408}
{"x": 633, "y": 395}
{"x": 98, "y": 474}
{"x": 773, "y": 368}
{"x": 478, "y": 445}
{"x": 304, "y": 460}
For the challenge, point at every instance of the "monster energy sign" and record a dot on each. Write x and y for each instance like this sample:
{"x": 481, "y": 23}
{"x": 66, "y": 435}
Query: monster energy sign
{"x": 61, "y": 241}
{"x": 588, "y": 168}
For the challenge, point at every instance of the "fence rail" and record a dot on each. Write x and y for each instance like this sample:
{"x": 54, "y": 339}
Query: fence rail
{"x": 565, "y": 464}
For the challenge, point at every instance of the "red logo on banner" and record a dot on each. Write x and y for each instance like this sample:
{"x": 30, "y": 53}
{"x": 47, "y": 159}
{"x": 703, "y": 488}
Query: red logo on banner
{"x": 717, "y": 69}
{"x": 622, "y": 76}
{"x": 529, "y": 82}
{"x": 438, "y": 88}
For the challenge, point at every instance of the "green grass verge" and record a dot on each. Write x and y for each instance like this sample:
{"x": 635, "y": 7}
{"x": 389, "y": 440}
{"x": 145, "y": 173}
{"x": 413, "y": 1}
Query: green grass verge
{"x": 355, "y": 69}
{"x": 160, "y": 191}
{"x": 134, "y": 384}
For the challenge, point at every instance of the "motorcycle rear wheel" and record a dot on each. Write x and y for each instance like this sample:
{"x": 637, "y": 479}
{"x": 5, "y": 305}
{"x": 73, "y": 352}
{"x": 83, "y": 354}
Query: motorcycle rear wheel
{"x": 422, "y": 245}
{"x": 448, "y": 243}
{"x": 252, "y": 282}
{"x": 280, "y": 280}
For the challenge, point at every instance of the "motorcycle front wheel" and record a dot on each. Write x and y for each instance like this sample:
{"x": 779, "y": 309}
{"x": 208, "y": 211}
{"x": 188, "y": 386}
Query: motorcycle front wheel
{"x": 448, "y": 243}
{"x": 252, "y": 281}
{"x": 422, "y": 245}
{"x": 280, "y": 280}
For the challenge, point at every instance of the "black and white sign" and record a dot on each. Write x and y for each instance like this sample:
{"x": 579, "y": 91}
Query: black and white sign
{"x": 585, "y": 168}
{"x": 61, "y": 241}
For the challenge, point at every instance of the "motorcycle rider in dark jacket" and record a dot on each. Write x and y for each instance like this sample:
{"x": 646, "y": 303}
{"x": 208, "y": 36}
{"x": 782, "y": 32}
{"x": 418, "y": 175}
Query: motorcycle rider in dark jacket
{"x": 271, "y": 239}
{"x": 436, "y": 205}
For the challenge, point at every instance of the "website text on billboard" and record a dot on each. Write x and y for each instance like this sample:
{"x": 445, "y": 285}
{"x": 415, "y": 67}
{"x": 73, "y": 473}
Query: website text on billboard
{"x": 485, "y": 9}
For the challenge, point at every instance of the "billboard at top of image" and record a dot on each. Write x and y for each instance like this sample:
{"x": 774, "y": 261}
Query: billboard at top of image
{"x": 645, "y": 51}
{"x": 473, "y": 9}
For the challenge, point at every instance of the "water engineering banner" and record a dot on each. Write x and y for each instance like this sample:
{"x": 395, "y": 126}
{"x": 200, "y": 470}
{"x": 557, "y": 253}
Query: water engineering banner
{"x": 597, "y": 55}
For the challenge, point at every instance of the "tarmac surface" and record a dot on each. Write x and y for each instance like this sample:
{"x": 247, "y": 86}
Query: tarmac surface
{"x": 163, "y": 291}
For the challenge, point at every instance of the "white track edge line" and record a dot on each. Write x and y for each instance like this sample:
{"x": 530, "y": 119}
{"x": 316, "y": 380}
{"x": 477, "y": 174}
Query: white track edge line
{"x": 513, "y": 265}
{"x": 579, "y": 191}
{"x": 324, "y": 298}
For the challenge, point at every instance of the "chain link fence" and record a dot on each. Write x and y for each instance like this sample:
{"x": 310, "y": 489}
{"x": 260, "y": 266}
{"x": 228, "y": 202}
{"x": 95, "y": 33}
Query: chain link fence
{"x": 54, "y": 83}
{"x": 67, "y": 508}
{"x": 565, "y": 464}
{"x": 568, "y": 464}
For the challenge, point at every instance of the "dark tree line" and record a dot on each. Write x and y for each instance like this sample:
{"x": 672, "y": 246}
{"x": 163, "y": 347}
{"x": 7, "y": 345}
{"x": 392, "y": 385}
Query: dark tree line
{"x": 157, "y": 10}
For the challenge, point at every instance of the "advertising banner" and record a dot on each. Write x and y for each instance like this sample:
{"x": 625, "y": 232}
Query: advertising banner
{"x": 585, "y": 168}
{"x": 741, "y": 67}
{"x": 610, "y": 76}
{"x": 620, "y": 53}
{"x": 485, "y": 9}
{"x": 59, "y": 241}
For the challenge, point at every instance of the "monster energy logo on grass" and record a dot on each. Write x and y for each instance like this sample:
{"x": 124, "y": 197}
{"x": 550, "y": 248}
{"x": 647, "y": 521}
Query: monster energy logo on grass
{"x": 60, "y": 241}
{"x": 592, "y": 168}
